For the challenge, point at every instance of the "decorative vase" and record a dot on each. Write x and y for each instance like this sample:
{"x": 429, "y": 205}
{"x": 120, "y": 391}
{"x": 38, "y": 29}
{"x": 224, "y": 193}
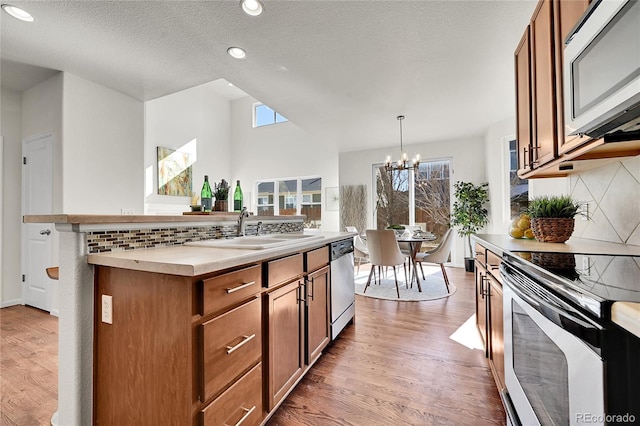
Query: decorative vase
{"x": 221, "y": 206}
{"x": 552, "y": 229}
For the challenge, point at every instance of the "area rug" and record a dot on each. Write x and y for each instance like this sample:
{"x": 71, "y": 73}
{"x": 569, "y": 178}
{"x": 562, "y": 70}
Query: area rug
{"x": 433, "y": 286}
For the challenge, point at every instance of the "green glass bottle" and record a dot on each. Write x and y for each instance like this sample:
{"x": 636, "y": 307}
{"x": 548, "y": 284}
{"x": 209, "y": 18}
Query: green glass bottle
{"x": 205, "y": 195}
{"x": 237, "y": 198}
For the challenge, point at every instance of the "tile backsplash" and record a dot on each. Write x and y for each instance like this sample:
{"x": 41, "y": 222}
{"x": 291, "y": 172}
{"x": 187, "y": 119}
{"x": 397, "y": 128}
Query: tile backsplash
{"x": 613, "y": 195}
{"x": 112, "y": 241}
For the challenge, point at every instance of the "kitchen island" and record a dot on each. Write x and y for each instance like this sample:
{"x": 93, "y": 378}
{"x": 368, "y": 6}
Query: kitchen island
{"x": 84, "y": 242}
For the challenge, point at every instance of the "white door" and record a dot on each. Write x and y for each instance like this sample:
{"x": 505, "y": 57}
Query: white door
{"x": 37, "y": 238}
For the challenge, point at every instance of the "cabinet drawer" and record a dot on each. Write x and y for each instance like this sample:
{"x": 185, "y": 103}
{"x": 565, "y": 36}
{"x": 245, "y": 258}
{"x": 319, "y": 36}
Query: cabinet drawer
{"x": 240, "y": 404}
{"x": 228, "y": 289}
{"x": 232, "y": 343}
{"x": 283, "y": 270}
{"x": 316, "y": 259}
{"x": 481, "y": 256}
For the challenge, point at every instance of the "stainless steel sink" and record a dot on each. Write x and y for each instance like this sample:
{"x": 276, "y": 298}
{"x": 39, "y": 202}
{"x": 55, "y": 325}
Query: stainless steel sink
{"x": 257, "y": 242}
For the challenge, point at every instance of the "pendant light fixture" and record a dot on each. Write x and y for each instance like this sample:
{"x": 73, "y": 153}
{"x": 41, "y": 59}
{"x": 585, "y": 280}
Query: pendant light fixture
{"x": 403, "y": 163}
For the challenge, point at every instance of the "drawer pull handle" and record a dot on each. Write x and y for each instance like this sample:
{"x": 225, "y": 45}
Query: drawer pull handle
{"x": 247, "y": 413}
{"x": 231, "y": 349}
{"x": 240, "y": 287}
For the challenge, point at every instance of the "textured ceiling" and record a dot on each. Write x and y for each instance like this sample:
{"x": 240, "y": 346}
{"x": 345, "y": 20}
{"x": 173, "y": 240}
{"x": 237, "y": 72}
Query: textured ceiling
{"x": 341, "y": 70}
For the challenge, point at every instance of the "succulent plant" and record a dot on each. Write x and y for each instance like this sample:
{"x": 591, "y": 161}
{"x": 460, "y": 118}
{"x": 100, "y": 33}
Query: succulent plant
{"x": 553, "y": 206}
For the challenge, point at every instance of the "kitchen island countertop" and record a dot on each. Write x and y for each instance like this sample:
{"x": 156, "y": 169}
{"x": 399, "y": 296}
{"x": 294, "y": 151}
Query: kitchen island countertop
{"x": 192, "y": 260}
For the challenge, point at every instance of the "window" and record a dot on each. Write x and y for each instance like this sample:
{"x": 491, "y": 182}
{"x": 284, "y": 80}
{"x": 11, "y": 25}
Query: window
{"x": 421, "y": 198}
{"x": 518, "y": 188}
{"x": 295, "y": 196}
{"x": 264, "y": 116}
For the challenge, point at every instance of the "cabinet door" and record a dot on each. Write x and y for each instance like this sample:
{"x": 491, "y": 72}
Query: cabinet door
{"x": 543, "y": 78}
{"x": 523, "y": 102}
{"x": 496, "y": 321}
{"x": 285, "y": 340}
{"x": 566, "y": 14}
{"x": 318, "y": 325}
{"x": 481, "y": 303}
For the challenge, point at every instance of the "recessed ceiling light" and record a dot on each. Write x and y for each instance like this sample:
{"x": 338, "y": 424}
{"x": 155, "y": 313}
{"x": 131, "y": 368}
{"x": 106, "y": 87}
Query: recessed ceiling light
{"x": 18, "y": 13}
{"x": 252, "y": 7}
{"x": 237, "y": 52}
{"x": 230, "y": 84}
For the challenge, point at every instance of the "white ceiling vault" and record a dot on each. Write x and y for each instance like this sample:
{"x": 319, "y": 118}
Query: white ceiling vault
{"x": 341, "y": 70}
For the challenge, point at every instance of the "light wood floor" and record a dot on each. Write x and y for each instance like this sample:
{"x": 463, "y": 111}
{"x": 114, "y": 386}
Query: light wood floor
{"x": 395, "y": 366}
{"x": 28, "y": 366}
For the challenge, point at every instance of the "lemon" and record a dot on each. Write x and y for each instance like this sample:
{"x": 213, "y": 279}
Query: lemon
{"x": 524, "y": 216}
{"x": 516, "y": 232}
{"x": 514, "y": 223}
{"x": 528, "y": 233}
{"x": 524, "y": 224}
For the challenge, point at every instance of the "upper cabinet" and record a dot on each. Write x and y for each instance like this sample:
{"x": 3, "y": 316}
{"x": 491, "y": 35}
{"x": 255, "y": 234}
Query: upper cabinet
{"x": 565, "y": 16}
{"x": 544, "y": 147}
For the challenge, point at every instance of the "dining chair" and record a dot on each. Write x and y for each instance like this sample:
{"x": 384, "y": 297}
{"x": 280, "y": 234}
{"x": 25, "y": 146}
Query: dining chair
{"x": 360, "y": 250}
{"x": 384, "y": 251}
{"x": 439, "y": 255}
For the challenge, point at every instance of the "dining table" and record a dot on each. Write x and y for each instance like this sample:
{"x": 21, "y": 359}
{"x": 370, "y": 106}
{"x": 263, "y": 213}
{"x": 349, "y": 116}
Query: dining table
{"x": 415, "y": 241}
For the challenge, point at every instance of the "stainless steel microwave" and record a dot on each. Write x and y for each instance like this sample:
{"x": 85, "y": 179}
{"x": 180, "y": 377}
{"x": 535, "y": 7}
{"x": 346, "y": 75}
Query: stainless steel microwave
{"x": 602, "y": 70}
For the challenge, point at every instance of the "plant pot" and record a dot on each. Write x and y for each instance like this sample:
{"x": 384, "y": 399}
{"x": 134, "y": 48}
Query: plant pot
{"x": 469, "y": 264}
{"x": 552, "y": 229}
{"x": 221, "y": 206}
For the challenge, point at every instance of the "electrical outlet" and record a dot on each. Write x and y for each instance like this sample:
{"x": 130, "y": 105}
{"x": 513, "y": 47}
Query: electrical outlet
{"x": 127, "y": 211}
{"x": 107, "y": 309}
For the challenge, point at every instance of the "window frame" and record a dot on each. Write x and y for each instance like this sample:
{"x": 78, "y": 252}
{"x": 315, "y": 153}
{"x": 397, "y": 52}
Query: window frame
{"x": 276, "y": 114}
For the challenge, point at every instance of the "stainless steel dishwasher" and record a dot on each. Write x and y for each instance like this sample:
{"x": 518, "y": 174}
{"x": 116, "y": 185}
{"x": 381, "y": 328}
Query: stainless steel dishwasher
{"x": 342, "y": 286}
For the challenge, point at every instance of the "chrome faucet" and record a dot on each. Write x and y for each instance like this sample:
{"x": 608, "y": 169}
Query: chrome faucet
{"x": 241, "y": 224}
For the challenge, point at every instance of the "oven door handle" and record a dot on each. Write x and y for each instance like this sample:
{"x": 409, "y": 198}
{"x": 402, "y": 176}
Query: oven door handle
{"x": 551, "y": 312}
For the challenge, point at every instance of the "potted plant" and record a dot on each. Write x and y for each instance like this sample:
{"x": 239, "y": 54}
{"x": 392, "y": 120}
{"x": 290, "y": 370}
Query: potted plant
{"x": 221, "y": 192}
{"x": 398, "y": 229}
{"x": 469, "y": 214}
{"x": 553, "y": 217}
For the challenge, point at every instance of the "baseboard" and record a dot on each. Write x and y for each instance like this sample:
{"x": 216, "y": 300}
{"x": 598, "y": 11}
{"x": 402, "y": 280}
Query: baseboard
{"x": 8, "y": 303}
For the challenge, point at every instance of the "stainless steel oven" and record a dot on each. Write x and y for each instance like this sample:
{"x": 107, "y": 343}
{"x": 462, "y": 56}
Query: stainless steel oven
{"x": 565, "y": 364}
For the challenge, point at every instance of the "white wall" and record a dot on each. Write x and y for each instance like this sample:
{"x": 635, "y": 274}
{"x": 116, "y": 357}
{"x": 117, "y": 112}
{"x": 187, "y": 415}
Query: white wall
{"x": 467, "y": 163}
{"x": 497, "y": 168}
{"x": 197, "y": 114}
{"x": 103, "y": 149}
{"x": 280, "y": 151}
{"x": 11, "y": 121}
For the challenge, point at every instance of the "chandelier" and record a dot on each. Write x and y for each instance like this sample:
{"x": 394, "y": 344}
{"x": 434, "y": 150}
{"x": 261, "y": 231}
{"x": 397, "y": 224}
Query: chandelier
{"x": 403, "y": 163}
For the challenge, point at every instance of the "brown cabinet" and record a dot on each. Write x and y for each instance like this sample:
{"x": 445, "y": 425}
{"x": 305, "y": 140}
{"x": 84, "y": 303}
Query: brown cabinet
{"x": 285, "y": 341}
{"x": 222, "y": 348}
{"x": 299, "y": 324}
{"x": 535, "y": 91}
{"x": 489, "y": 310}
{"x": 496, "y": 327}
{"x": 544, "y": 147}
{"x": 317, "y": 314}
{"x": 565, "y": 16}
{"x": 523, "y": 102}
{"x": 177, "y": 346}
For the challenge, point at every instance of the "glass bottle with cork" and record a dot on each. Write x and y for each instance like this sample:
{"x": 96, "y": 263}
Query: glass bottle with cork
{"x": 237, "y": 198}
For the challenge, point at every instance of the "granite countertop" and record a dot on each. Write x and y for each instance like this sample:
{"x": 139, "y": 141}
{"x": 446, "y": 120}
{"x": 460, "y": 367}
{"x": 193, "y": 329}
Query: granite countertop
{"x": 625, "y": 314}
{"x": 193, "y": 260}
